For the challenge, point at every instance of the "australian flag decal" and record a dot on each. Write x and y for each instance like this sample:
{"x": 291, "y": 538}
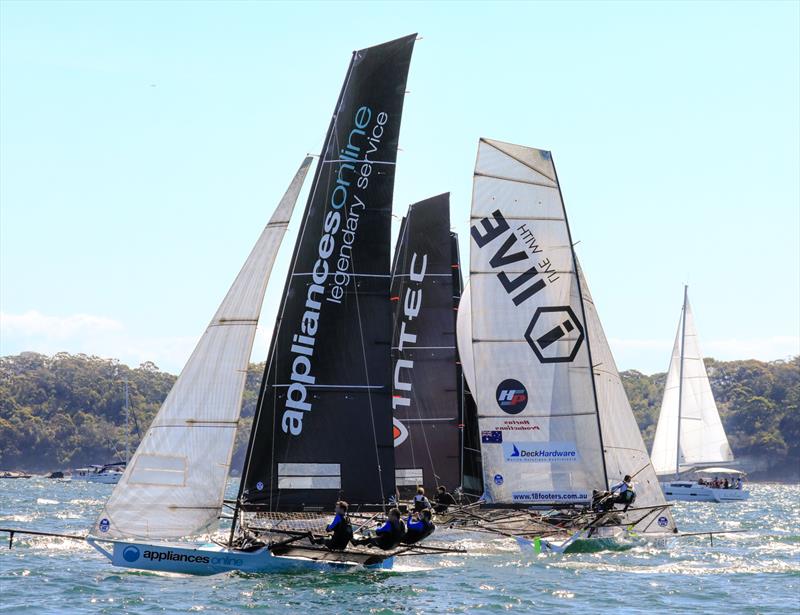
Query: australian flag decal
{"x": 492, "y": 437}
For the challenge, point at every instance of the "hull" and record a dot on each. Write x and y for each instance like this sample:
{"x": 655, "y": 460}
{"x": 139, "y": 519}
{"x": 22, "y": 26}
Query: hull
{"x": 584, "y": 541}
{"x": 690, "y": 491}
{"x": 209, "y": 559}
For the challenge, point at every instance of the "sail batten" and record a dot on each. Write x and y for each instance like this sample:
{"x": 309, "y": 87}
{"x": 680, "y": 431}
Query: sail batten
{"x": 175, "y": 481}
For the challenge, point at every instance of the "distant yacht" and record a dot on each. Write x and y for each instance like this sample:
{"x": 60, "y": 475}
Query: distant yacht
{"x": 690, "y": 438}
{"x": 109, "y": 473}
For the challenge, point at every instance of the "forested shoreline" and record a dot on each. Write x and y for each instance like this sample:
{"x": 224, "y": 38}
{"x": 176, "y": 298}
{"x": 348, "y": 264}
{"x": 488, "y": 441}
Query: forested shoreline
{"x": 67, "y": 411}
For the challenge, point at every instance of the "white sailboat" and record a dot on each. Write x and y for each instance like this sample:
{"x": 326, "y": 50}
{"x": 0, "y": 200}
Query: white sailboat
{"x": 690, "y": 437}
{"x": 174, "y": 485}
{"x": 555, "y": 421}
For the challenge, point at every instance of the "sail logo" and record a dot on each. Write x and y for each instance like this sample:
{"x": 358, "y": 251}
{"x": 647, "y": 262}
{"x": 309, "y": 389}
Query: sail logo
{"x": 538, "y": 452}
{"x": 404, "y": 368}
{"x": 399, "y": 432}
{"x": 555, "y": 334}
{"x": 663, "y": 521}
{"x": 104, "y": 525}
{"x": 526, "y": 284}
{"x": 511, "y": 396}
{"x": 130, "y": 554}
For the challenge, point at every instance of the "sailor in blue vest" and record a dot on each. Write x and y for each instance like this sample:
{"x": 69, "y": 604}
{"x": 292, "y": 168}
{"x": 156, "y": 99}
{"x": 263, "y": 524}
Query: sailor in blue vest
{"x": 389, "y": 535}
{"x": 420, "y": 529}
{"x": 340, "y": 529}
{"x": 624, "y": 493}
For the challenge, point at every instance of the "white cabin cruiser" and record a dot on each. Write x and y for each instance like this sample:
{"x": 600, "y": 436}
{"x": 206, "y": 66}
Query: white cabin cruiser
{"x": 106, "y": 474}
{"x": 709, "y": 486}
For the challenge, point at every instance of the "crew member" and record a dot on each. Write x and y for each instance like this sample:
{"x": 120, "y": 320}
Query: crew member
{"x": 389, "y": 535}
{"x": 626, "y": 493}
{"x": 419, "y": 529}
{"x": 443, "y": 500}
{"x": 340, "y": 529}
{"x": 420, "y": 501}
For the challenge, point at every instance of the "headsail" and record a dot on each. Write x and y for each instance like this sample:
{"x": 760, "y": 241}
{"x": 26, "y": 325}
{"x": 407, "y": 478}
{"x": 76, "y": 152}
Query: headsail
{"x": 625, "y": 452}
{"x": 323, "y": 423}
{"x": 689, "y": 431}
{"x": 424, "y": 386}
{"x": 540, "y": 436}
{"x": 175, "y": 482}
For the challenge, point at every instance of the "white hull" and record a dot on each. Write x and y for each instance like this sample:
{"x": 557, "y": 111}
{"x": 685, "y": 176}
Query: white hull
{"x": 208, "y": 559}
{"x": 690, "y": 491}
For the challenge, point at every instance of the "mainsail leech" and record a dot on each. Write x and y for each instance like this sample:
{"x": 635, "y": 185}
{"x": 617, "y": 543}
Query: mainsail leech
{"x": 175, "y": 482}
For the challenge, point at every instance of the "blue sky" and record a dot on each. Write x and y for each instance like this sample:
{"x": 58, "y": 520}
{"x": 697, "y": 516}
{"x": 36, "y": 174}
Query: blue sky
{"x": 144, "y": 145}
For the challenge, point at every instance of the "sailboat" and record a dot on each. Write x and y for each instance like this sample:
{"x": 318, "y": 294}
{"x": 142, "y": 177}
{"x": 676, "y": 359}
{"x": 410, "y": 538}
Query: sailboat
{"x": 556, "y": 426}
{"x": 425, "y": 397}
{"x": 322, "y": 427}
{"x": 689, "y": 436}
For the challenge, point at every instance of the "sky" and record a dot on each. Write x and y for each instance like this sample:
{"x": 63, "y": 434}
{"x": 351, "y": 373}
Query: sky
{"x": 143, "y": 146}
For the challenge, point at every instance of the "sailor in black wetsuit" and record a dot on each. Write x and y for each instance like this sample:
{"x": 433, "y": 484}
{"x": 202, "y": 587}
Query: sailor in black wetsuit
{"x": 420, "y": 501}
{"x": 420, "y": 529}
{"x": 623, "y": 492}
{"x": 443, "y": 500}
{"x": 389, "y": 535}
{"x": 341, "y": 531}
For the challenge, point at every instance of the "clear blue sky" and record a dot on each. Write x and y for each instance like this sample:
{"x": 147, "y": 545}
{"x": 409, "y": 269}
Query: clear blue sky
{"x": 144, "y": 145}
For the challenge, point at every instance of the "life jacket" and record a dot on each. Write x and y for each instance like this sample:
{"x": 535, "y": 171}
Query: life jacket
{"x": 421, "y": 503}
{"x": 342, "y": 534}
{"x": 414, "y": 536}
{"x": 392, "y": 538}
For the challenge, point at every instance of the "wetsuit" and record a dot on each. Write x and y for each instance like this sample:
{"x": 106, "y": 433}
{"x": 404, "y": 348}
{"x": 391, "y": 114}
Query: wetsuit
{"x": 417, "y": 531}
{"x": 443, "y": 501}
{"x": 341, "y": 533}
{"x": 421, "y": 503}
{"x": 389, "y": 535}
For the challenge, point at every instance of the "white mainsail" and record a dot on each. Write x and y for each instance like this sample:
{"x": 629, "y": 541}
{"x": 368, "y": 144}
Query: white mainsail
{"x": 540, "y": 438}
{"x": 689, "y": 431}
{"x": 175, "y": 482}
{"x": 625, "y": 451}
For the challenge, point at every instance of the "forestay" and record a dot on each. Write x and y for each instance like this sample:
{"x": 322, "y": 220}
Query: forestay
{"x": 702, "y": 437}
{"x": 174, "y": 484}
{"x": 540, "y": 435}
{"x": 625, "y": 452}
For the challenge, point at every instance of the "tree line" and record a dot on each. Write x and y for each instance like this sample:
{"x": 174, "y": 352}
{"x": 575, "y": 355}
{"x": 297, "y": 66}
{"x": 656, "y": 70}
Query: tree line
{"x": 66, "y": 411}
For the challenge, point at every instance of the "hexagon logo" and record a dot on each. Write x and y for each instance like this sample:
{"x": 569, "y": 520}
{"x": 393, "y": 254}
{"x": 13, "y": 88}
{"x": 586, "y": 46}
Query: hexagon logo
{"x": 555, "y": 334}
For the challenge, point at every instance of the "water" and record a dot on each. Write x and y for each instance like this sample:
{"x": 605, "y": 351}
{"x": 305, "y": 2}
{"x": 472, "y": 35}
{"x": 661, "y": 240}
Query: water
{"x": 753, "y": 572}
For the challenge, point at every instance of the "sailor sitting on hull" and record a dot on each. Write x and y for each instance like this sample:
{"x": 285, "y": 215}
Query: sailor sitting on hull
{"x": 388, "y": 536}
{"x": 443, "y": 500}
{"x": 420, "y": 529}
{"x": 420, "y": 501}
{"x": 626, "y": 493}
{"x": 340, "y": 529}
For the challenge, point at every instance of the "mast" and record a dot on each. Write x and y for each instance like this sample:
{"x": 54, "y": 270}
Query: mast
{"x": 585, "y": 324}
{"x": 680, "y": 383}
{"x": 127, "y": 425}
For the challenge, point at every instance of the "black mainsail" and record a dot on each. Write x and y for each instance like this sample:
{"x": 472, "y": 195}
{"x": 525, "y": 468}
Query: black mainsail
{"x": 323, "y": 423}
{"x": 425, "y": 397}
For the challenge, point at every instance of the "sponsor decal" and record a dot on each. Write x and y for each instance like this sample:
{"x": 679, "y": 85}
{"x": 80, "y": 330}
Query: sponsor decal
{"x": 511, "y": 396}
{"x": 550, "y": 325}
{"x": 515, "y": 425}
{"x": 130, "y": 554}
{"x": 663, "y": 521}
{"x": 331, "y": 272}
{"x": 498, "y": 479}
{"x": 550, "y": 496}
{"x": 492, "y": 437}
{"x": 104, "y": 525}
{"x": 540, "y": 452}
{"x": 399, "y": 432}
{"x": 260, "y": 486}
{"x": 192, "y": 557}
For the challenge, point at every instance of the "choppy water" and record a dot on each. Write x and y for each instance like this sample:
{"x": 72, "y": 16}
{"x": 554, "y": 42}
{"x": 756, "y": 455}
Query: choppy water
{"x": 753, "y": 572}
